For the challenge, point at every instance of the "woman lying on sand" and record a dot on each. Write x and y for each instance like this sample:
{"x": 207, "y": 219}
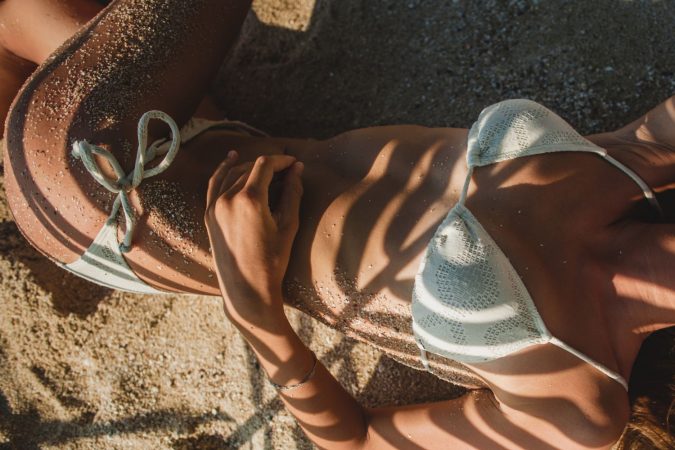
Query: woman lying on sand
{"x": 389, "y": 214}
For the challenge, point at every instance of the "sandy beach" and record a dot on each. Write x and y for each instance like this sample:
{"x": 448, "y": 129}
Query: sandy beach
{"x": 84, "y": 367}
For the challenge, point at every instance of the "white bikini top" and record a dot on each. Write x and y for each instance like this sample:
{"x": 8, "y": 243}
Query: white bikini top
{"x": 469, "y": 304}
{"x": 103, "y": 262}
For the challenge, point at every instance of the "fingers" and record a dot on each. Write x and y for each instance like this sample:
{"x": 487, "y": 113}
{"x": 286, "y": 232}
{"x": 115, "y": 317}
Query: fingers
{"x": 289, "y": 204}
{"x": 236, "y": 178}
{"x": 265, "y": 167}
{"x": 253, "y": 177}
{"x": 216, "y": 180}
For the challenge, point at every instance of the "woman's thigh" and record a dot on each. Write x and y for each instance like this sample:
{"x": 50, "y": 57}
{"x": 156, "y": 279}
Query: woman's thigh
{"x": 137, "y": 56}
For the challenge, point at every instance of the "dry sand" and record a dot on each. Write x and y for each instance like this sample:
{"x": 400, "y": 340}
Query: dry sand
{"x": 85, "y": 367}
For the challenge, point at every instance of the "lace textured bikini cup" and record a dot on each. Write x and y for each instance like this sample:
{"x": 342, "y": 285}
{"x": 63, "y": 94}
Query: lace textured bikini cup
{"x": 103, "y": 262}
{"x": 469, "y": 304}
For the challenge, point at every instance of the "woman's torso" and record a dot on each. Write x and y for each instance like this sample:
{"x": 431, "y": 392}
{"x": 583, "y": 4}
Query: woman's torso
{"x": 373, "y": 199}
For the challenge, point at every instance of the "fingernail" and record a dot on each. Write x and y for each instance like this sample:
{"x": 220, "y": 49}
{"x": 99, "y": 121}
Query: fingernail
{"x": 299, "y": 167}
{"x": 231, "y": 154}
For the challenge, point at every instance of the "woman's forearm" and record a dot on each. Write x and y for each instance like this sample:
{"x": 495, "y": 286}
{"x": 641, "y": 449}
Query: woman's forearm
{"x": 251, "y": 249}
{"x": 328, "y": 414}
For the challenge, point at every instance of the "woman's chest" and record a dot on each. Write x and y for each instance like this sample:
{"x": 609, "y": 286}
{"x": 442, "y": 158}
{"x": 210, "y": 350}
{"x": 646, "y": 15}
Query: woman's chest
{"x": 550, "y": 215}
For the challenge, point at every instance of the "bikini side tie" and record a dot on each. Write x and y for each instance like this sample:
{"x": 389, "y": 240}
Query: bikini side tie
{"x": 125, "y": 183}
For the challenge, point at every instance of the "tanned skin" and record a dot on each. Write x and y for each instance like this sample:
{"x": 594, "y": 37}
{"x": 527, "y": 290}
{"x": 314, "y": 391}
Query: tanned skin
{"x": 596, "y": 263}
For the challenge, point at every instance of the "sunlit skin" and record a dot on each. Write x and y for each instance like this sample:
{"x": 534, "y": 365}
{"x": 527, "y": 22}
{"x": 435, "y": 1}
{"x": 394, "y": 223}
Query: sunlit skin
{"x": 574, "y": 227}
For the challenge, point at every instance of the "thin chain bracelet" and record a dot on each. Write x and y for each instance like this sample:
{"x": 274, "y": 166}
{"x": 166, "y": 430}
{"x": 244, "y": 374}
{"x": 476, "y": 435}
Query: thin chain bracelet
{"x": 304, "y": 380}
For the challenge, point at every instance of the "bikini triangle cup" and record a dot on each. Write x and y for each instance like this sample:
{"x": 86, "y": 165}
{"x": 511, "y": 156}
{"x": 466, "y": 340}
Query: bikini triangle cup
{"x": 103, "y": 262}
{"x": 469, "y": 304}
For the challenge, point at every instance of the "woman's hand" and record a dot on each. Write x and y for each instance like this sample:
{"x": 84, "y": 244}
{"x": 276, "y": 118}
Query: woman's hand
{"x": 251, "y": 243}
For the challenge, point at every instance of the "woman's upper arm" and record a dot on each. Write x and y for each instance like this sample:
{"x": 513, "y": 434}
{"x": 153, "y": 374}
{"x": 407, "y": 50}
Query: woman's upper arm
{"x": 476, "y": 421}
{"x": 647, "y": 145}
{"x": 657, "y": 126}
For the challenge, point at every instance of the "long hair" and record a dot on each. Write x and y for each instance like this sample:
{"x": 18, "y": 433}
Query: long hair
{"x": 652, "y": 396}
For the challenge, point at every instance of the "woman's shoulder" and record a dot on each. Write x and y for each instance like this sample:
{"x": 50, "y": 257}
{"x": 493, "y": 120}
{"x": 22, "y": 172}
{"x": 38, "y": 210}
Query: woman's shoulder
{"x": 656, "y": 127}
{"x": 646, "y": 145}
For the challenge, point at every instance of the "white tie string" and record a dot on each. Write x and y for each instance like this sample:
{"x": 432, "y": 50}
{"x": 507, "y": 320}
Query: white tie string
{"x": 124, "y": 183}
